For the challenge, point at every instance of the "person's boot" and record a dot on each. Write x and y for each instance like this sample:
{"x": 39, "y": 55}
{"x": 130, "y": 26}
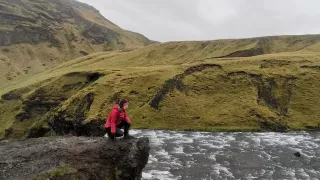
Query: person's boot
{"x": 126, "y": 131}
{"x": 111, "y": 138}
{"x": 127, "y": 136}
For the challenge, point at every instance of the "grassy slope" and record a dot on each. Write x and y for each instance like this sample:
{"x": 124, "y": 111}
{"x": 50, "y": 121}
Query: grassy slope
{"x": 274, "y": 91}
{"x": 61, "y": 31}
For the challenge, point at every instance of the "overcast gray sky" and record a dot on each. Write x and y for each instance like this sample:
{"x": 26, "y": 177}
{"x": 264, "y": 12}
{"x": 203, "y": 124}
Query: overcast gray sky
{"x": 179, "y": 20}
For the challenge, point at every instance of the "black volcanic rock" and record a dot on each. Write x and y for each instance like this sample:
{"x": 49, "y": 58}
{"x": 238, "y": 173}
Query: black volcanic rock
{"x": 73, "y": 158}
{"x": 297, "y": 154}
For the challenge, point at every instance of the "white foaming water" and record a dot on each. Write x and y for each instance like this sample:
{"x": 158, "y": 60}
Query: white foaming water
{"x": 152, "y": 159}
{"x": 262, "y": 172}
{"x": 161, "y": 175}
{"x": 291, "y": 173}
{"x": 281, "y": 139}
{"x": 205, "y": 155}
{"x": 154, "y": 140}
{"x": 198, "y": 135}
{"x": 213, "y": 146}
{"x": 303, "y": 174}
{"x": 230, "y": 138}
{"x": 265, "y": 155}
{"x": 175, "y": 162}
{"x": 134, "y": 132}
{"x": 244, "y": 144}
{"x": 250, "y": 176}
{"x": 221, "y": 171}
{"x": 183, "y": 141}
{"x": 178, "y": 150}
{"x": 213, "y": 155}
{"x": 164, "y": 135}
{"x": 311, "y": 145}
{"x": 256, "y": 140}
{"x": 313, "y": 172}
{"x": 163, "y": 153}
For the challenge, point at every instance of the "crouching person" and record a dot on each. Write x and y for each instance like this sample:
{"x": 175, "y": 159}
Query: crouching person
{"x": 117, "y": 120}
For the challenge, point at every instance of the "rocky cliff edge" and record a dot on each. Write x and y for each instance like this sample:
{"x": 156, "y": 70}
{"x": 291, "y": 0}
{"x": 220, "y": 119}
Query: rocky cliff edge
{"x": 73, "y": 158}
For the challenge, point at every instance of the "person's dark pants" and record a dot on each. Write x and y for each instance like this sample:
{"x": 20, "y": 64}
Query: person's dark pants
{"x": 119, "y": 133}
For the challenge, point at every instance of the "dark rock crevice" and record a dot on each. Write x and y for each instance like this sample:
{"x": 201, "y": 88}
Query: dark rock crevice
{"x": 71, "y": 120}
{"x": 263, "y": 46}
{"x": 12, "y": 95}
{"x": 176, "y": 83}
{"x": 43, "y": 100}
{"x": 244, "y": 53}
{"x": 275, "y": 92}
{"x": 167, "y": 87}
{"x": 311, "y": 67}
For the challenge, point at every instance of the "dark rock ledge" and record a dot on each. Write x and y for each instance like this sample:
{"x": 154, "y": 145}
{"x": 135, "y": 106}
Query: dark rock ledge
{"x": 73, "y": 158}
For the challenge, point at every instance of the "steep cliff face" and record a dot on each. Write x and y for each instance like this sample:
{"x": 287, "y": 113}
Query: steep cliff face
{"x": 73, "y": 158}
{"x": 36, "y": 35}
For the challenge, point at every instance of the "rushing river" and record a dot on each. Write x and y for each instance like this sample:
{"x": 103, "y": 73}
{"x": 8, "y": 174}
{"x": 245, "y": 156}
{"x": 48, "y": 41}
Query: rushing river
{"x": 204, "y": 155}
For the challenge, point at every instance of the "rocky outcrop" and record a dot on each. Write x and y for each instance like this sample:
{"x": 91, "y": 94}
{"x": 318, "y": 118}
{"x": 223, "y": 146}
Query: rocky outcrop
{"x": 45, "y": 98}
{"x": 40, "y": 21}
{"x": 24, "y": 34}
{"x": 73, "y": 158}
{"x": 42, "y": 106}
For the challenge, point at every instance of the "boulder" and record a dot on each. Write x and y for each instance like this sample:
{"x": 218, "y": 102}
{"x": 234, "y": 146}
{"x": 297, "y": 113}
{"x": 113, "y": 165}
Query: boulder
{"x": 297, "y": 154}
{"x": 73, "y": 158}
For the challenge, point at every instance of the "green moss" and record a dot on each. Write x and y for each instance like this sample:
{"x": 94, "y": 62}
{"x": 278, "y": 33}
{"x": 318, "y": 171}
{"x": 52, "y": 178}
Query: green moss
{"x": 6, "y": 28}
{"x": 117, "y": 172}
{"x": 115, "y": 175}
{"x": 63, "y": 172}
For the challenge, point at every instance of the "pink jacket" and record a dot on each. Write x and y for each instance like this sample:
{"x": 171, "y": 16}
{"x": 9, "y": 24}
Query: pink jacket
{"x": 115, "y": 118}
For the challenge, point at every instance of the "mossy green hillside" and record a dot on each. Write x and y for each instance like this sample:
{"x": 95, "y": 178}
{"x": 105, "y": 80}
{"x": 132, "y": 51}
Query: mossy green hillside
{"x": 272, "y": 92}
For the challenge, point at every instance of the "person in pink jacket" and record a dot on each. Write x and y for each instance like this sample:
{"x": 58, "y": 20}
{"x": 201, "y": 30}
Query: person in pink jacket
{"x": 118, "y": 119}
